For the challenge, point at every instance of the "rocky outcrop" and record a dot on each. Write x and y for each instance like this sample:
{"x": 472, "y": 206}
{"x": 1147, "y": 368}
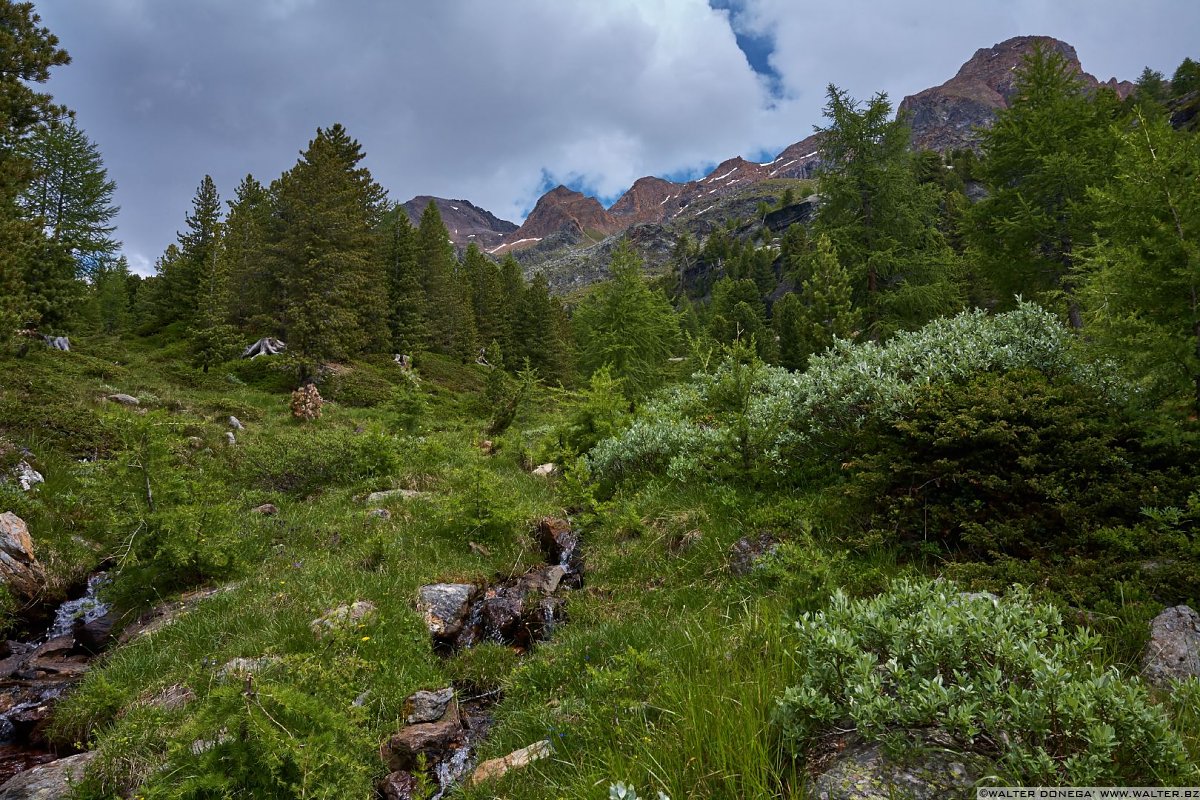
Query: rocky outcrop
{"x": 19, "y": 568}
{"x": 48, "y": 782}
{"x": 1174, "y": 649}
{"x": 430, "y": 738}
{"x": 466, "y": 222}
{"x": 865, "y": 772}
{"x": 946, "y": 117}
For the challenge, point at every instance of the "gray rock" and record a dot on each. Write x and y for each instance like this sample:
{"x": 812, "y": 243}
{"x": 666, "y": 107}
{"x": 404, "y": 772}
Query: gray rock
{"x": 230, "y": 439}
{"x": 236, "y": 424}
{"x": 48, "y": 782}
{"x": 57, "y": 343}
{"x": 124, "y": 399}
{"x": 342, "y": 618}
{"x": 380, "y": 513}
{"x": 389, "y": 494}
{"x": 544, "y": 580}
{"x": 19, "y": 568}
{"x": 544, "y": 471}
{"x": 445, "y": 606}
{"x": 399, "y": 785}
{"x": 1174, "y": 649}
{"x": 865, "y": 772}
{"x": 266, "y": 509}
{"x": 425, "y": 706}
{"x": 499, "y": 767}
{"x": 430, "y": 739}
{"x": 748, "y": 552}
{"x": 27, "y": 477}
{"x": 242, "y": 667}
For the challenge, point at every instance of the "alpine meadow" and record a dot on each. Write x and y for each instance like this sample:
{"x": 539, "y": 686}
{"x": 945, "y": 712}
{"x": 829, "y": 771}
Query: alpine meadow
{"x": 869, "y": 471}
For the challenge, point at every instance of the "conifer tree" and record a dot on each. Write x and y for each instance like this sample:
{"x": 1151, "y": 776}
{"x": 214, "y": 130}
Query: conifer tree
{"x": 448, "y": 297}
{"x": 882, "y": 221}
{"x": 407, "y": 301}
{"x": 70, "y": 195}
{"x": 807, "y": 322}
{"x": 483, "y": 277}
{"x": 254, "y": 295}
{"x": 512, "y": 285}
{"x": 1141, "y": 278}
{"x": 325, "y": 252}
{"x": 1039, "y": 158}
{"x": 187, "y": 275}
{"x": 541, "y": 334}
{"x": 625, "y": 325}
{"x": 737, "y": 313}
{"x": 110, "y": 284}
{"x": 28, "y": 51}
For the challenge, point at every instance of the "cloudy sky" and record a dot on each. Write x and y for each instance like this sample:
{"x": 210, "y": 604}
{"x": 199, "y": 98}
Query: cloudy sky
{"x": 495, "y": 102}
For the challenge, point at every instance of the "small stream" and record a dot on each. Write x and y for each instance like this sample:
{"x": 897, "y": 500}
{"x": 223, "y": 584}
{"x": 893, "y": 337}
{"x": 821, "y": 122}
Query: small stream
{"x": 35, "y": 673}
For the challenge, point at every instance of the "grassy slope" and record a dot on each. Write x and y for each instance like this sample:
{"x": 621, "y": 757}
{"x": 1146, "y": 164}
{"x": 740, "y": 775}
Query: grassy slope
{"x": 665, "y": 676}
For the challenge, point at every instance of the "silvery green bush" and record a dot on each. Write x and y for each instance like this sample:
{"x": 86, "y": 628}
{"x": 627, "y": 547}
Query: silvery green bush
{"x": 767, "y": 420}
{"x": 999, "y": 677}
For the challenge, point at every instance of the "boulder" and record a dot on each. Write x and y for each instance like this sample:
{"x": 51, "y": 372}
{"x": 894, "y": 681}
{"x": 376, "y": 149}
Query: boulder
{"x": 266, "y": 509}
{"x": 864, "y": 772}
{"x": 557, "y": 540}
{"x": 343, "y": 618}
{"x": 19, "y": 569}
{"x": 27, "y": 477}
{"x": 431, "y": 739}
{"x": 399, "y": 785}
{"x": 48, "y": 782}
{"x": 426, "y": 706}
{"x": 1174, "y": 649}
{"x": 544, "y": 470}
{"x": 380, "y": 513}
{"x": 391, "y": 494}
{"x": 236, "y": 424}
{"x": 58, "y": 343}
{"x": 498, "y": 767}
{"x": 230, "y": 439}
{"x": 267, "y": 346}
{"x": 746, "y": 553}
{"x": 94, "y": 634}
{"x": 123, "y": 399}
{"x": 544, "y": 580}
{"x": 445, "y": 607}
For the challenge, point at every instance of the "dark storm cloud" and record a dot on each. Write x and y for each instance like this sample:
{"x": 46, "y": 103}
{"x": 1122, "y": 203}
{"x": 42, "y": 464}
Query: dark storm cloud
{"x": 488, "y": 101}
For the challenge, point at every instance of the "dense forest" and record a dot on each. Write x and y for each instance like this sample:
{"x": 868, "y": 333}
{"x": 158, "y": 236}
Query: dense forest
{"x": 889, "y": 498}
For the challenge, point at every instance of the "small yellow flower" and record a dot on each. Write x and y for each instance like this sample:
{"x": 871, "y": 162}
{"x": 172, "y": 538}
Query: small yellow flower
{"x": 366, "y": 638}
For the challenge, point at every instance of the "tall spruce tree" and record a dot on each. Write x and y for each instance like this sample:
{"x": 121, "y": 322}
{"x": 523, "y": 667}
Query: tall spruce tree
{"x": 541, "y": 334}
{"x": 255, "y": 298}
{"x": 512, "y": 285}
{"x": 324, "y": 250}
{"x": 483, "y": 276}
{"x": 881, "y": 219}
{"x": 448, "y": 296}
{"x": 1054, "y": 141}
{"x": 408, "y": 318}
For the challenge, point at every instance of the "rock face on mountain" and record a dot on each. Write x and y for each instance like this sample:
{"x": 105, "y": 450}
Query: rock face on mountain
{"x": 646, "y": 201}
{"x": 562, "y": 210}
{"x": 945, "y": 117}
{"x": 465, "y": 221}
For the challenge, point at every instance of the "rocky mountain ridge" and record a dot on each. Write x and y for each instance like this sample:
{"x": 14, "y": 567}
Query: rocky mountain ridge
{"x": 465, "y": 221}
{"x": 946, "y": 117}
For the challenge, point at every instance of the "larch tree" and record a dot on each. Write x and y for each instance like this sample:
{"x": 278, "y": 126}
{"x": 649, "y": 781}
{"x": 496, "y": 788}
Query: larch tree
{"x": 881, "y": 219}
{"x": 1053, "y": 142}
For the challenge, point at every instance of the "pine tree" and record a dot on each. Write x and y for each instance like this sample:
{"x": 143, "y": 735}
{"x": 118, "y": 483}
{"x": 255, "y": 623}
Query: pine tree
{"x": 110, "y": 285}
{"x": 881, "y": 219}
{"x": 1039, "y": 158}
{"x": 762, "y": 269}
{"x": 807, "y": 322}
{"x": 1186, "y": 78}
{"x": 407, "y": 302}
{"x": 186, "y": 273}
{"x": 1141, "y": 279}
{"x": 737, "y": 313}
{"x": 70, "y": 195}
{"x": 324, "y": 250}
{"x": 483, "y": 277}
{"x": 448, "y": 297}
{"x": 254, "y": 295}
{"x": 28, "y": 51}
{"x": 541, "y": 334}
{"x": 627, "y": 326}
{"x": 512, "y": 285}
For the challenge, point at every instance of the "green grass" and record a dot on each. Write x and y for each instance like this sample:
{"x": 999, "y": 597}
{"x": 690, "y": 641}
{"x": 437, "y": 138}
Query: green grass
{"x": 665, "y": 674}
